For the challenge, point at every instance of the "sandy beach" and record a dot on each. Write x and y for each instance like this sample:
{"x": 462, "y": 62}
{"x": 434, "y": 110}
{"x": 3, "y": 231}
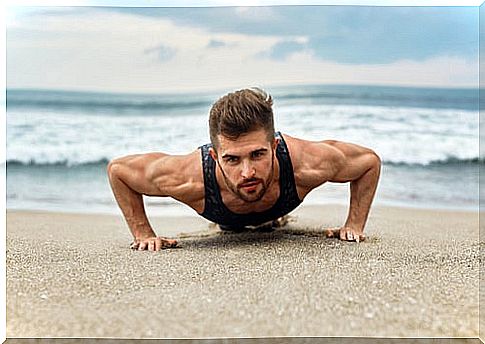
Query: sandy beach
{"x": 73, "y": 275}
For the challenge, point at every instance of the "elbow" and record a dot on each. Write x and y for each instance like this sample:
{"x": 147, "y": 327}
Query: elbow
{"x": 377, "y": 159}
{"x": 113, "y": 168}
{"x": 376, "y": 163}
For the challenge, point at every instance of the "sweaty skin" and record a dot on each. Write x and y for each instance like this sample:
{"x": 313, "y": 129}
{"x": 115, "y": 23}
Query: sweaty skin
{"x": 248, "y": 176}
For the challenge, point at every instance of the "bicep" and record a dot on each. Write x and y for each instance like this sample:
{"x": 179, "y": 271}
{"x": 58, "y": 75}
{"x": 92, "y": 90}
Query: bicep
{"x": 137, "y": 171}
{"x": 317, "y": 163}
{"x": 177, "y": 176}
{"x": 159, "y": 174}
{"x": 333, "y": 161}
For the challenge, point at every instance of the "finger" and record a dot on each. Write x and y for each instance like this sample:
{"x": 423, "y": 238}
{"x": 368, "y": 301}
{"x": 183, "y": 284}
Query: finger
{"x": 151, "y": 245}
{"x": 134, "y": 245}
{"x": 331, "y": 232}
{"x": 357, "y": 238}
{"x": 342, "y": 234}
{"x": 143, "y": 246}
{"x": 166, "y": 243}
{"x": 170, "y": 243}
{"x": 158, "y": 244}
{"x": 350, "y": 236}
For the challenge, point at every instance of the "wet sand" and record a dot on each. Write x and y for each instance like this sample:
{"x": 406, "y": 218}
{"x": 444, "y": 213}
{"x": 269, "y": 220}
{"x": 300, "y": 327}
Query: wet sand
{"x": 416, "y": 275}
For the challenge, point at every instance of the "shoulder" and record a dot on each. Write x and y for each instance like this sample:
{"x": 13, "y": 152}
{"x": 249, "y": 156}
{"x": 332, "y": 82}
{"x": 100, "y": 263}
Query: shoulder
{"x": 306, "y": 154}
{"x": 163, "y": 164}
{"x": 175, "y": 175}
{"x": 161, "y": 174}
{"x": 314, "y": 162}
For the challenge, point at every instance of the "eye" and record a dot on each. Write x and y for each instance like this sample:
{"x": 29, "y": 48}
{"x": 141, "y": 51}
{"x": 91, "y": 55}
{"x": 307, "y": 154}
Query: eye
{"x": 257, "y": 154}
{"x": 231, "y": 160}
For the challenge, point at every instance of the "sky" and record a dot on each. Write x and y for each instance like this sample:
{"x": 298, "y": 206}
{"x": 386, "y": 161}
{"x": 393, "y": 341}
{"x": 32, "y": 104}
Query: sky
{"x": 153, "y": 50}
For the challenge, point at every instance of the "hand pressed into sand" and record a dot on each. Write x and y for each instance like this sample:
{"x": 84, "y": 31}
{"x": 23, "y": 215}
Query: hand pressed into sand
{"x": 152, "y": 244}
{"x": 345, "y": 233}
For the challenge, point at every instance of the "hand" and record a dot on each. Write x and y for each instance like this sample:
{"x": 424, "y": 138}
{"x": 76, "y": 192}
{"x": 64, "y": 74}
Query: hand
{"x": 345, "y": 233}
{"x": 153, "y": 244}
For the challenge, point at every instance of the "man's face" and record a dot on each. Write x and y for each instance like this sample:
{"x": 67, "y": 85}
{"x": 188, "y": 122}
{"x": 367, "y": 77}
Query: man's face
{"x": 247, "y": 164}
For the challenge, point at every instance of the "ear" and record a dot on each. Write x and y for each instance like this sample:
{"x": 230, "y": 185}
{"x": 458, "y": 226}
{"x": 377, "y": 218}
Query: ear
{"x": 213, "y": 153}
{"x": 275, "y": 143}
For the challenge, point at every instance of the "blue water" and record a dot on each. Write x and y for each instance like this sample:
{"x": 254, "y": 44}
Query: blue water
{"x": 59, "y": 142}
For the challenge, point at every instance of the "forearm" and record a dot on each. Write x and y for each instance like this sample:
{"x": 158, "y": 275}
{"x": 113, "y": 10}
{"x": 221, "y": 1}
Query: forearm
{"x": 362, "y": 191}
{"x": 132, "y": 207}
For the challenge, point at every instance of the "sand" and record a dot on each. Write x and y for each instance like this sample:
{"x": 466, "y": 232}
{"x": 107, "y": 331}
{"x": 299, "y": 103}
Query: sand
{"x": 416, "y": 275}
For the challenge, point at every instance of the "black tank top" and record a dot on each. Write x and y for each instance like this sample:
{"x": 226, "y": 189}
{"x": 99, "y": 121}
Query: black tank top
{"x": 216, "y": 211}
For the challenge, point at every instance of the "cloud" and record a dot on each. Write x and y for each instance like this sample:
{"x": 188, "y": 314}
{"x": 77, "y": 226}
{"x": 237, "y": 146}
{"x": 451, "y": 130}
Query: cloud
{"x": 105, "y": 50}
{"x": 344, "y": 34}
{"x": 216, "y": 44}
{"x": 283, "y": 49}
{"x": 163, "y": 53}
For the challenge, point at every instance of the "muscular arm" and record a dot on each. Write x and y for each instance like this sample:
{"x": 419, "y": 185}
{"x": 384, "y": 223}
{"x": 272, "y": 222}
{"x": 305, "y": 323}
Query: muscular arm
{"x": 153, "y": 174}
{"x": 340, "y": 162}
{"x": 361, "y": 167}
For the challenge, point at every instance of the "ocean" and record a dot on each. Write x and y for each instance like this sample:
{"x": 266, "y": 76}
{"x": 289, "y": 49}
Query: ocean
{"x": 59, "y": 142}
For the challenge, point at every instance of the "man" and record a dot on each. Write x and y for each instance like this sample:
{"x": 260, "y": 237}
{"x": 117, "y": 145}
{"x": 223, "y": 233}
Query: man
{"x": 249, "y": 175}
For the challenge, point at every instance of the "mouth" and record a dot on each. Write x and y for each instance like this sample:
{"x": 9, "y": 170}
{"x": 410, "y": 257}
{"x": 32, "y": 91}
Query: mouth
{"x": 250, "y": 187}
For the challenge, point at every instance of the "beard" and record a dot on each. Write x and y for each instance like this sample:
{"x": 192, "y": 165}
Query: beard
{"x": 251, "y": 196}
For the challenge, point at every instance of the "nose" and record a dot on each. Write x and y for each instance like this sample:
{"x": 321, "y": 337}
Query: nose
{"x": 248, "y": 170}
